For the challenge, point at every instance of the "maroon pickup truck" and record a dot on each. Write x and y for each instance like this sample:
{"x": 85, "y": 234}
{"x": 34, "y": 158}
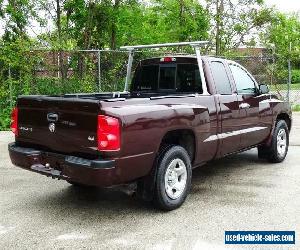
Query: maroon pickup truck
{"x": 180, "y": 112}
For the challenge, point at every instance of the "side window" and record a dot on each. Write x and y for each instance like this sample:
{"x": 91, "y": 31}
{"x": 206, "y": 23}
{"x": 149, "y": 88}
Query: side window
{"x": 244, "y": 83}
{"x": 221, "y": 78}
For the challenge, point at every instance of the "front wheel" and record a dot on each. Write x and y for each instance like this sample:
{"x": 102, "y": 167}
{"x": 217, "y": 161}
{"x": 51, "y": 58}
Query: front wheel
{"x": 173, "y": 179}
{"x": 278, "y": 149}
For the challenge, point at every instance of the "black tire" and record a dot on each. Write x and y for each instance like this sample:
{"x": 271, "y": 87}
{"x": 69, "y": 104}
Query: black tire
{"x": 273, "y": 153}
{"x": 172, "y": 161}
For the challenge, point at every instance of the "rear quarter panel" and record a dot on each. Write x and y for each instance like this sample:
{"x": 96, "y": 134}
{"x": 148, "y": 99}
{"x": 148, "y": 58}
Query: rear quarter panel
{"x": 145, "y": 125}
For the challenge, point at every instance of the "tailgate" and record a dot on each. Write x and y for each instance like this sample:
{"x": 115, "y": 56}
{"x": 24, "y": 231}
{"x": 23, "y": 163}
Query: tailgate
{"x": 59, "y": 124}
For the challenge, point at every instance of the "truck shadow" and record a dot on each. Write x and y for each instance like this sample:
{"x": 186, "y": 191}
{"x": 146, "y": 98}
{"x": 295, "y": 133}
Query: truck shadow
{"x": 208, "y": 181}
{"x": 232, "y": 164}
{"x": 228, "y": 165}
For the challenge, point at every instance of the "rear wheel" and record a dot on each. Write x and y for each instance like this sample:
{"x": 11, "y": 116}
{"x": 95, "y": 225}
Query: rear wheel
{"x": 173, "y": 178}
{"x": 278, "y": 149}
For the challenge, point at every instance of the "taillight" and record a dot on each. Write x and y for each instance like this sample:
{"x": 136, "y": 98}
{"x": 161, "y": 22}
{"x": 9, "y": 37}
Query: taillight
{"x": 108, "y": 133}
{"x": 14, "y": 121}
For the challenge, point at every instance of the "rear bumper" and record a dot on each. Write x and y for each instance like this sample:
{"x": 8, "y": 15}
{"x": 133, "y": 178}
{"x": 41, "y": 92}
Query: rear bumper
{"x": 89, "y": 172}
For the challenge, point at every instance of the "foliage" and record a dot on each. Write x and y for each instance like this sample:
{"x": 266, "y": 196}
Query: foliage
{"x": 283, "y": 32}
{"x": 16, "y": 14}
{"x": 178, "y": 20}
{"x": 234, "y": 21}
{"x": 88, "y": 24}
{"x": 296, "y": 108}
{"x": 282, "y": 36}
{"x": 295, "y": 76}
{"x": 102, "y": 24}
{"x": 15, "y": 70}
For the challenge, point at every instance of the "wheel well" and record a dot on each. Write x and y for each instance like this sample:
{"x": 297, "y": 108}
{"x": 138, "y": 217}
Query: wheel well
{"x": 182, "y": 137}
{"x": 286, "y": 118}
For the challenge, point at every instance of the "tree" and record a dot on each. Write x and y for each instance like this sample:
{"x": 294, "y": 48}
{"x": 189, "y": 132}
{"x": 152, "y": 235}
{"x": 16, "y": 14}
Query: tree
{"x": 283, "y": 37}
{"x": 93, "y": 24}
{"x": 283, "y": 31}
{"x": 236, "y": 23}
{"x": 179, "y": 20}
{"x": 16, "y": 15}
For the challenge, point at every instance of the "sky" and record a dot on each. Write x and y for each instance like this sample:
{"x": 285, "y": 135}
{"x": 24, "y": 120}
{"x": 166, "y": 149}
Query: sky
{"x": 285, "y": 5}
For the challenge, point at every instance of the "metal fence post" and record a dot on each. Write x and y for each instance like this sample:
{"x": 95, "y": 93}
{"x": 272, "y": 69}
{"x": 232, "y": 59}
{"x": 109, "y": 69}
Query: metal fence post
{"x": 10, "y": 88}
{"x": 99, "y": 71}
{"x": 289, "y": 81}
{"x": 290, "y": 73}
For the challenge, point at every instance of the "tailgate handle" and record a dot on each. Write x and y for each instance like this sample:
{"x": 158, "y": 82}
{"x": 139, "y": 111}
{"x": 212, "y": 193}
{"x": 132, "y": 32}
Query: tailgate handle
{"x": 52, "y": 117}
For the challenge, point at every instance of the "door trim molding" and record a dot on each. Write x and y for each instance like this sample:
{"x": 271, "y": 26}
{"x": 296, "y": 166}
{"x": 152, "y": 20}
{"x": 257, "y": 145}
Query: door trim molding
{"x": 233, "y": 133}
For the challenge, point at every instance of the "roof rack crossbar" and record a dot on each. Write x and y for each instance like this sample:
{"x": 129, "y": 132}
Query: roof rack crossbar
{"x": 152, "y": 46}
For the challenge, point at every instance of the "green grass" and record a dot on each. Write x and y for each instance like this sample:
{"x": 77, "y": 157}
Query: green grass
{"x": 294, "y": 86}
{"x": 296, "y": 108}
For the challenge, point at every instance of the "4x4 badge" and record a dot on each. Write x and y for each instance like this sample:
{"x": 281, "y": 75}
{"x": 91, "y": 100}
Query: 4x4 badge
{"x": 52, "y": 127}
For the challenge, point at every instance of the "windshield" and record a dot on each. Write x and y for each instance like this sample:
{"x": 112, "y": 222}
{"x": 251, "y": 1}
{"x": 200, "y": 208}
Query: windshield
{"x": 172, "y": 77}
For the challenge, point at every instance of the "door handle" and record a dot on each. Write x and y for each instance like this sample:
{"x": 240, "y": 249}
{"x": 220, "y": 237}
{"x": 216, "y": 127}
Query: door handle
{"x": 244, "y": 105}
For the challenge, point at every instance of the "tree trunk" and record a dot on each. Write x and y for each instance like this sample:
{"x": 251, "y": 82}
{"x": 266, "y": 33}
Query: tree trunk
{"x": 219, "y": 24}
{"x": 86, "y": 39}
{"x": 60, "y": 53}
{"x": 113, "y": 39}
{"x": 181, "y": 23}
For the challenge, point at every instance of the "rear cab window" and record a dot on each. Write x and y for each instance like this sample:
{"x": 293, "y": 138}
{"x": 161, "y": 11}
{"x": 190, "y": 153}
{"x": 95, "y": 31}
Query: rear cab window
{"x": 177, "y": 75}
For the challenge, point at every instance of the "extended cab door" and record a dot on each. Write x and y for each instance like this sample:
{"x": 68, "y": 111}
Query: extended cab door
{"x": 228, "y": 109}
{"x": 255, "y": 121}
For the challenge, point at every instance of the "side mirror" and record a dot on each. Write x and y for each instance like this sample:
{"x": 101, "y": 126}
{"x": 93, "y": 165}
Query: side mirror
{"x": 263, "y": 89}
